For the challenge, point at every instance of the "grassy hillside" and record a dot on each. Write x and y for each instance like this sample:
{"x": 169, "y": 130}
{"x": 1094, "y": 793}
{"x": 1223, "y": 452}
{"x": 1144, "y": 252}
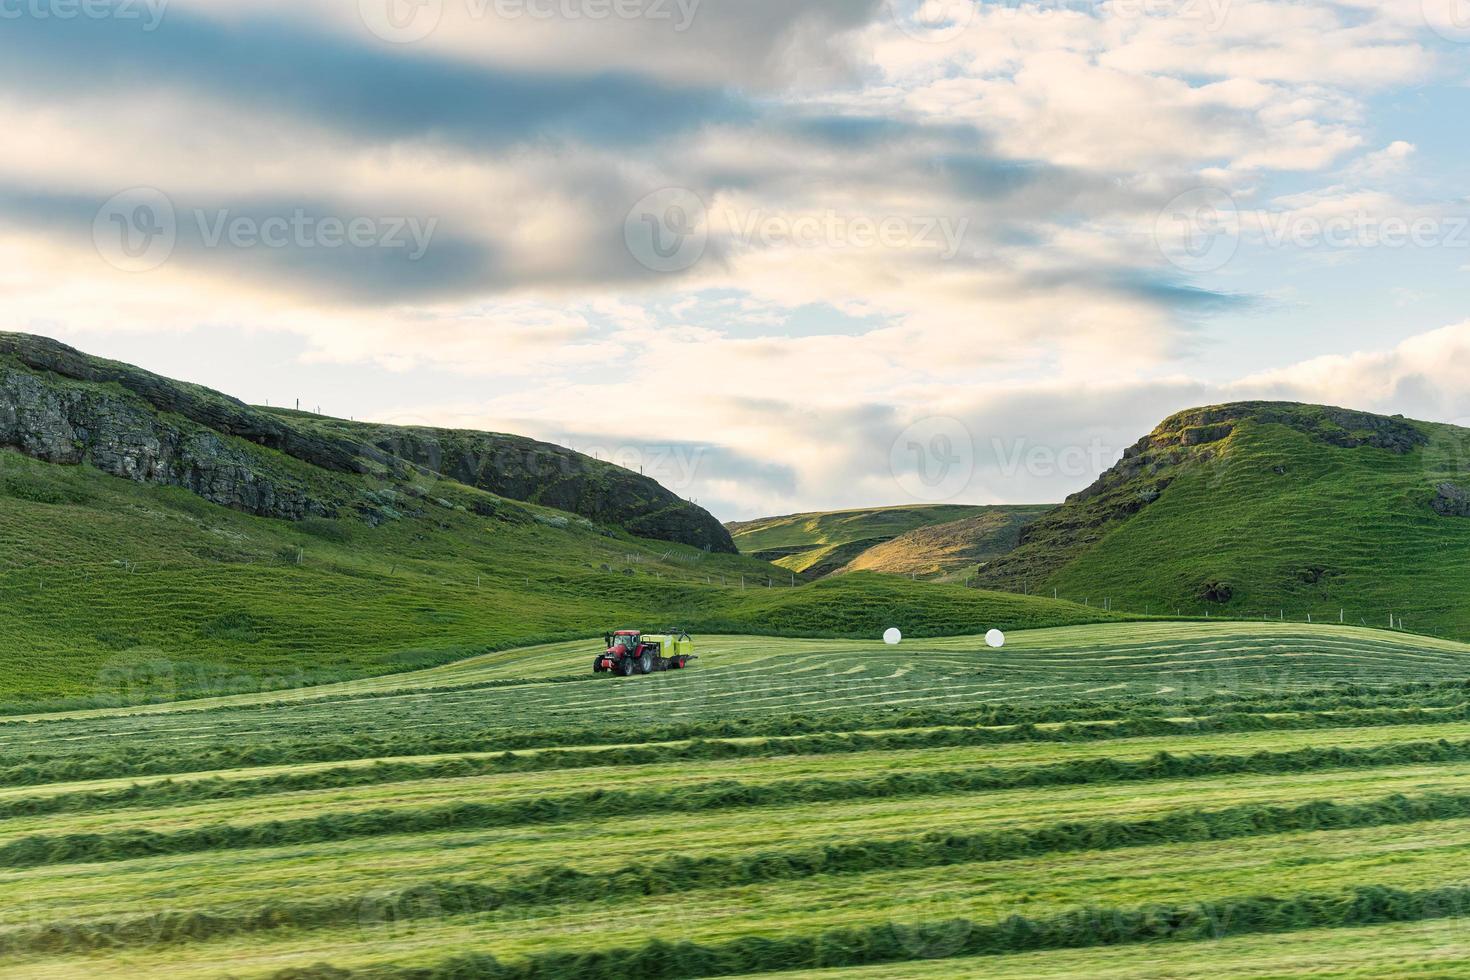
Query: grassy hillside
{"x": 1267, "y": 509}
{"x": 1107, "y": 800}
{"x": 113, "y": 589}
{"x": 820, "y": 544}
{"x": 953, "y": 550}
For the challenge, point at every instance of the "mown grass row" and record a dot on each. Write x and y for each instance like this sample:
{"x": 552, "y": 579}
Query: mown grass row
{"x": 682, "y": 873}
{"x": 896, "y": 943}
{"x": 171, "y": 792}
{"x": 177, "y": 761}
{"x": 121, "y": 845}
{"x": 64, "y": 760}
{"x": 1341, "y": 695}
{"x": 98, "y": 706}
{"x": 1335, "y": 697}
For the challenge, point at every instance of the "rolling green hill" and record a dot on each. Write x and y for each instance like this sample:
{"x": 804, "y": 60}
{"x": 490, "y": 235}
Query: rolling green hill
{"x": 951, "y": 551}
{"x": 158, "y": 540}
{"x": 927, "y": 540}
{"x": 1268, "y": 509}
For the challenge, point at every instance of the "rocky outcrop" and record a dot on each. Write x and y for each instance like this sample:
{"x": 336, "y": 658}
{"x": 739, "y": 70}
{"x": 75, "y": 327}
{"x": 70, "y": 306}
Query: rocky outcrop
{"x": 1451, "y": 501}
{"x": 206, "y": 408}
{"x": 1342, "y": 427}
{"x": 63, "y": 406}
{"x": 58, "y": 422}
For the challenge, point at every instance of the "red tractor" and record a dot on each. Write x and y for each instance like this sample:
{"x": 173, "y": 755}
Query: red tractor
{"x": 632, "y": 652}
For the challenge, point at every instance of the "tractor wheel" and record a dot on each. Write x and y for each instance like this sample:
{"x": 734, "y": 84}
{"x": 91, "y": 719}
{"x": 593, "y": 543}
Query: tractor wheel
{"x": 625, "y": 666}
{"x": 645, "y": 663}
{"x": 597, "y": 666}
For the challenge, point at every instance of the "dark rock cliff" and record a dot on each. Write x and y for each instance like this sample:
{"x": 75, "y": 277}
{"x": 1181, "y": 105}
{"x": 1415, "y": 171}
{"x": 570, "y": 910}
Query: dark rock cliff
{"x": 63, "y": 406}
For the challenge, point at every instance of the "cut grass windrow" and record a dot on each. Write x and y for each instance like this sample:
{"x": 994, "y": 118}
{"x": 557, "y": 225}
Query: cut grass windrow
{"x": 621, "y": 749}
{"x": 129, "y": 844}
{"x": 1341, "y": 695}
{"x": 896, "y": 943}
{"x": 681, "y": 873}
{"x": 171, "y": 792}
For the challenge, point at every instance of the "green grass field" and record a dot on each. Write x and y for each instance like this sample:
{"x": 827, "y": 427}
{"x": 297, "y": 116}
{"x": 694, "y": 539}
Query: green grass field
{"x": 103, "y": 581}
{"x": 1124, "y": 799}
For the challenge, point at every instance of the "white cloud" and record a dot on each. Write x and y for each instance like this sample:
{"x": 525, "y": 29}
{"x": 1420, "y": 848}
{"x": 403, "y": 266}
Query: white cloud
{"x": 1053, "y": 135}
{"x": 1393, "y": 159}
{"x": 1422, "y": 377}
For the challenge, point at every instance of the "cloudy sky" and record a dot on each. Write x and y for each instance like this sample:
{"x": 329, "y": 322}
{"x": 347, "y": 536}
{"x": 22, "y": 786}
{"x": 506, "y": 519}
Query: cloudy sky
{"x": 782, "y": 254}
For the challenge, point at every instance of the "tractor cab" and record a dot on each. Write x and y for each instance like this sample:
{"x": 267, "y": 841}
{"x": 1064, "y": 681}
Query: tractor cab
{"x": 623, "y": 641}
